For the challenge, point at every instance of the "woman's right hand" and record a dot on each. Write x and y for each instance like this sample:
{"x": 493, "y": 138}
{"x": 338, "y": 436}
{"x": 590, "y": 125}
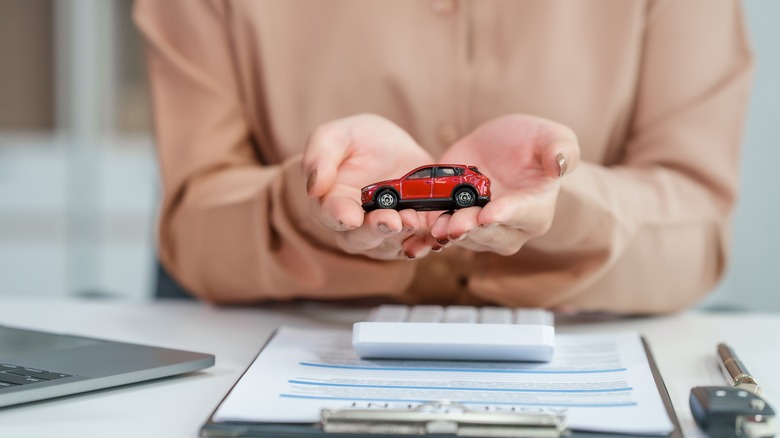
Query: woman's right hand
{"x": 347, "y": 154}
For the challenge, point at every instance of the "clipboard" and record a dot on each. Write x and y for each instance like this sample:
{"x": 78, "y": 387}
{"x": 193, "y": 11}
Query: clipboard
{"x": 436, "y": 420}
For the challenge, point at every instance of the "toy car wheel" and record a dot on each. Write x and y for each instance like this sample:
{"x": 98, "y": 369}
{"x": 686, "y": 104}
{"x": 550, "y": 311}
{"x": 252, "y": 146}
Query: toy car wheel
{"x": 386, "y": 199}
{"x": 464, "y": 197}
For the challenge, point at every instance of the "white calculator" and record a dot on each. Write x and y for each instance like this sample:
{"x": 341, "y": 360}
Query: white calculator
{"x": 456, "y": 333}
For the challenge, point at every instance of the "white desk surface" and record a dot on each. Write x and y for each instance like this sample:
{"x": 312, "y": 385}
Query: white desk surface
{"x": 683, "y": 345}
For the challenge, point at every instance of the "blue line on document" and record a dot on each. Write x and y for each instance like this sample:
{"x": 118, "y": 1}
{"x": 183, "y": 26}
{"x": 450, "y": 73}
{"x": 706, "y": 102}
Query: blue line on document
{"x": 460, "y": 370}
{"x": 448, "y": 388}
{"x": 399, "y": 400}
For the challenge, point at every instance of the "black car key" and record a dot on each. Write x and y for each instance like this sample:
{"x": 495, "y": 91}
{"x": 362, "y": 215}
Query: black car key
{"x": 722, "y": 412}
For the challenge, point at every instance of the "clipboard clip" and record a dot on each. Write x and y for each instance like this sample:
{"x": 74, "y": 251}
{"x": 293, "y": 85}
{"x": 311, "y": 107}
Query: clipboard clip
{"x": 441, "y": 418}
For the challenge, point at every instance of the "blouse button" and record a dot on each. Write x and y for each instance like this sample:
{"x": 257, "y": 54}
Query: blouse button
{"x": 443, "y": 8}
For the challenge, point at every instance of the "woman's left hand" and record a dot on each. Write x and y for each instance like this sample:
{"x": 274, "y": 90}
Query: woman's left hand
{"x": 524, "y": 157}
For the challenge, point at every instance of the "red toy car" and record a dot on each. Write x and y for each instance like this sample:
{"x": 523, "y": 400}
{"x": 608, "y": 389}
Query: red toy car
{"x": 431, "y": 187}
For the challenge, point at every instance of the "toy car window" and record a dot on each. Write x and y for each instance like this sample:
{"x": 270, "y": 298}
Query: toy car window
{"x": 422, "y": 173}
{"x": 445, "y": 171}
{"x": 473, "y": 168}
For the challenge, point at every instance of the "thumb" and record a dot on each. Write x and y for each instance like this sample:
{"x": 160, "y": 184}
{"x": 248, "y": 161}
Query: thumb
{"x": 325, "y": 150}
{"x": 561, "y": 156}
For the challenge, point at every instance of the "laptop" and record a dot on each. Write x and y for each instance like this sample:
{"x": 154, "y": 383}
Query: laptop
{"x": 36, "y": 365}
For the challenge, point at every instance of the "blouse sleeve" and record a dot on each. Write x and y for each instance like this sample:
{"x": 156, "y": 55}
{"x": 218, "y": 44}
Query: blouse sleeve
{"x": 650, "y": 234}
{"x": 232, "y": 228}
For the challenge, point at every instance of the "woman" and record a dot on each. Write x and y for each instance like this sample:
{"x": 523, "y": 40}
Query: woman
{"x": 610, "y": 130}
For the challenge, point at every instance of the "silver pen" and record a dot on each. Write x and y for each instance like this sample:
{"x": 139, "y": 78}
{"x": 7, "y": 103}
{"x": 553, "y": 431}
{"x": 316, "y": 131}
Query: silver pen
{"x": 734, "y": 370}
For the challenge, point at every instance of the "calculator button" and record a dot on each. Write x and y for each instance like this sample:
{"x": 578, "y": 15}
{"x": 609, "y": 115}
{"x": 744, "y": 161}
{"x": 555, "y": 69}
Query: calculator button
{"x": 533, "y": 316}
{"x": 426, "y": 314}
{"x": 389, "y": 313}
{"x": 460, "y": 315}
{"x": 495, "y": 315}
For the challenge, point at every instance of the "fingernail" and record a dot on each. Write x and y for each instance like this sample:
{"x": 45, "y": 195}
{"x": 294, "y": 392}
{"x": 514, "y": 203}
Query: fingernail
{"x": 408, "y": 229}
{"x": 436, "y": 249}
{"x": 458, "y": 238}
{"x": 345, "y": 226}
{"x": 384, "y": 228}
{"x": 311, "y": 180}
{"x": 488, "y": 226}
{"x": 442, "y": 242}
{"x": 407, "y": 256}
{"x": 563, "y": 164}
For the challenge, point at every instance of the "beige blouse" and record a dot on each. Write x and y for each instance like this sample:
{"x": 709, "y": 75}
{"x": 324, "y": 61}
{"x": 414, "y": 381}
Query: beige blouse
{"x": 655, "y": 90}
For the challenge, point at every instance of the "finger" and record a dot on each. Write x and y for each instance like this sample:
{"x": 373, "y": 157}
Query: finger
{"x": 496, "y": 238}
{"x": 510, "y": 209}
{"x": 518, "y": 211}
{"x": 562, "y": 155}
{"x": 410, "y": 220}
{"x": 418, "y": 243}
{"x": 340, "y": 210}
{"x": 462, "y": 222}
{"x": 326, "y": 149}
{"x": 439, "y": 228}
{"x": 378, "y": 226}
{"x": 416, "y": 247}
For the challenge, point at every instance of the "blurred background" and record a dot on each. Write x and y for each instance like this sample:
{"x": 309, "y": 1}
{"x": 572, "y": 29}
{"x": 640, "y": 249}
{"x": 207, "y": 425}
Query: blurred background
{"x": 79, "y": 183}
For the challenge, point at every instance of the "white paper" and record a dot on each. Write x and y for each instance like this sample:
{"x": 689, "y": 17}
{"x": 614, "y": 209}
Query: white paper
{"x": 600, "y": 382}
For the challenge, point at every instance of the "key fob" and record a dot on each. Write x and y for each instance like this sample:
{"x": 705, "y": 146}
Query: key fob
{"x": 722, "y": 411}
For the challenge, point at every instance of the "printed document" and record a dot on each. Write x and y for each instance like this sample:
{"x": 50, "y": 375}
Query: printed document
{"x": 600, "y": 382}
